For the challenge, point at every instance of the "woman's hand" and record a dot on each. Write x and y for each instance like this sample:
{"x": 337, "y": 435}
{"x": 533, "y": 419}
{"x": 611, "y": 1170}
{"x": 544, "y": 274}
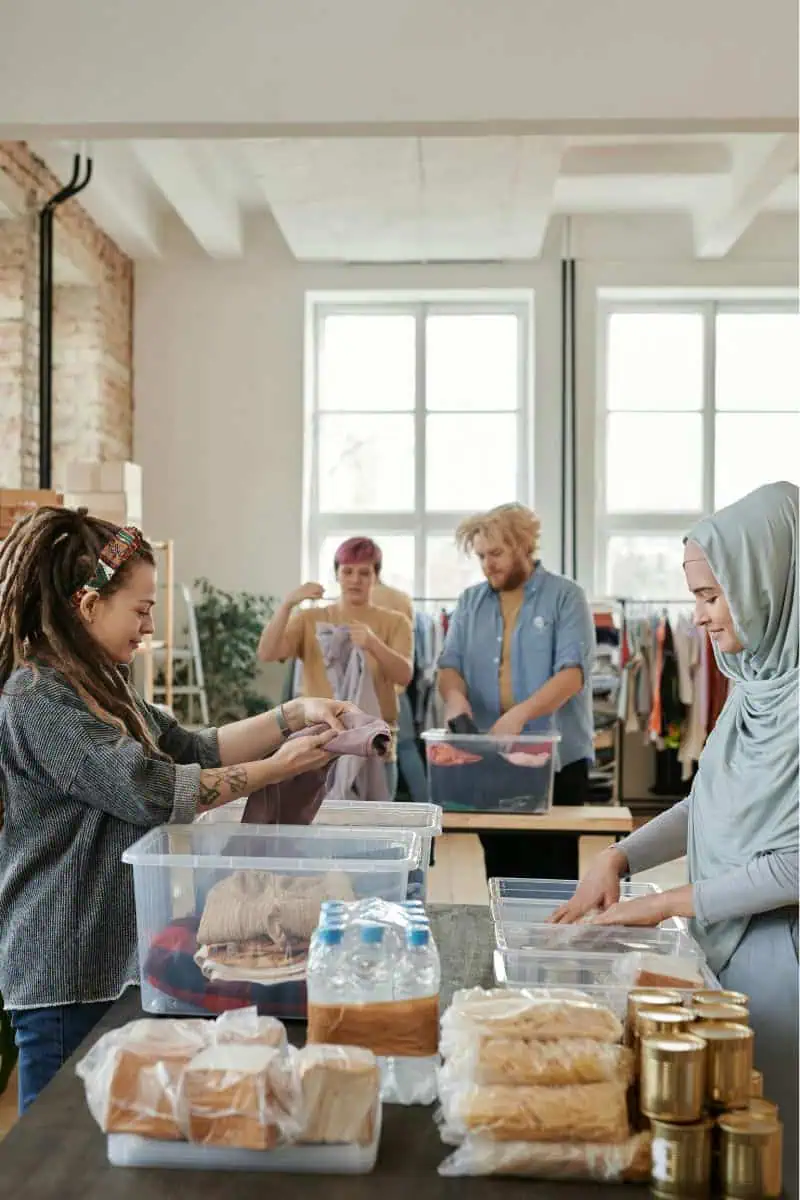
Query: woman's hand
{"x": 319, "y": 711}
{"x": 301, "y": 754}
{"x": 306, "y": 591}
{"x": 599, "y": 888}
{"x": 644, "y": 910}
{"x": 361, "y": 635}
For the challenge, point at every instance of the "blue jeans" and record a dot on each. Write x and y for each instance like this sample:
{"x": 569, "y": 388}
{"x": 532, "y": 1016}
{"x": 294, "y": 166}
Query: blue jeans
{"x": 391, "y": 778}
{"x": 46, "y": 1038}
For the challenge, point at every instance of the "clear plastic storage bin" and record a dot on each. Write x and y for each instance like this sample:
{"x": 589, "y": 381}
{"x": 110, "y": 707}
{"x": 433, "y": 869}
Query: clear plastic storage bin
{"x": 596, "y": 976}
{"x": 533, "y": 901}
{"x": 423, "y": 819}
{"x": 481, "y": 773}
{"x": 596, "y": 939}
{"x": 175, "y": 868}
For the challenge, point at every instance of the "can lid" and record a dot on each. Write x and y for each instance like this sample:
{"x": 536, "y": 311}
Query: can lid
{"x": 720, "y": 996}
{"x": 746, "y": 1122}
{"x": 667, "y": 1015}
{"x": 758, "y": 1106}
{"x": 722, "y": 1031}
{"x": 673, "y": 1043}
{"x": 733, "y": 1013}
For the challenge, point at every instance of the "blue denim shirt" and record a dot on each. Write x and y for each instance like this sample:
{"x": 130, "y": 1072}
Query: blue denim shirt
{"x": 554, "y": 630}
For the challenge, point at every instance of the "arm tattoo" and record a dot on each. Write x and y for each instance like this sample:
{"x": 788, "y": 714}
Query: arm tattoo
{"x": 212, "y": 782}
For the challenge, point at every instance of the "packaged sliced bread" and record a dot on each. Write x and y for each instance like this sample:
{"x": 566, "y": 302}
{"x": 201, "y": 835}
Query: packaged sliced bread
{"x": 591, "y": 1112}
{"x": 239, "y": 1095}
{"x": 243, "y": 1026}
{"x": 642, "y": 970}
{"x": 340, "y": 1090}
{"x": 132, "y": 1075}
{"x": 530, "y": 1015}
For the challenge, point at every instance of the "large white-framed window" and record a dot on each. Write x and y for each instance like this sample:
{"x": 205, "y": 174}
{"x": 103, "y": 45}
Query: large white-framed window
{"x": 700, "y": 403}
{"x": 420, "y": 412}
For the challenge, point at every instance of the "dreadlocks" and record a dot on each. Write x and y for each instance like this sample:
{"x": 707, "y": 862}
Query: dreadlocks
{"x": 48, "y": 555}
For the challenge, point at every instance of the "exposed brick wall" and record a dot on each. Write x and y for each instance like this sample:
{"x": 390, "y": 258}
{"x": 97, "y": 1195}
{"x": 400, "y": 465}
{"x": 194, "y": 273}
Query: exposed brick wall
{"x": 92, "y": 335}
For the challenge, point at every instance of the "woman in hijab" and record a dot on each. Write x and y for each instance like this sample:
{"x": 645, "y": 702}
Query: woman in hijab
{"x": 739, "y": 825}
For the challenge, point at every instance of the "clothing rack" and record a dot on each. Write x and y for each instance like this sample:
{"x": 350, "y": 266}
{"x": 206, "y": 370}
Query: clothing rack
{"x": 626, "y": 603}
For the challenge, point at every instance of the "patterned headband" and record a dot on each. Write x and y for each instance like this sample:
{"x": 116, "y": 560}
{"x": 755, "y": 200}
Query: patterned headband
{"x": 114, "y": 555}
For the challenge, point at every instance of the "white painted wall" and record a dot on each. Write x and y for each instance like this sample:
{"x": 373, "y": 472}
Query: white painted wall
{"x": 219, "y": 354}
{"x": 256, "y": 64}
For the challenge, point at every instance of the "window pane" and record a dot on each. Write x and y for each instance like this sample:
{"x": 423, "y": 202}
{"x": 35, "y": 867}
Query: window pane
{"x": 758, "y": 362}
{"x": 368, "y": 362}
{"x": 447, "y": 570}
{"x": 654, "y": 462}
{"x": 471, "y": 461}
{"x": 754, "y": 448}
{"x": 398, "y": 559}
{"x": 366, "y": 463}
{"x": 472, "y": 361}
{"x": 645, "y": 568}
{"x": 655, "y": 362}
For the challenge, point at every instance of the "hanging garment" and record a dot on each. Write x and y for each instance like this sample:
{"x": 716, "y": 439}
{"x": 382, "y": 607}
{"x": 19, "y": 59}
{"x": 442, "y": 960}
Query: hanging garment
{"x": 297, "y": 801}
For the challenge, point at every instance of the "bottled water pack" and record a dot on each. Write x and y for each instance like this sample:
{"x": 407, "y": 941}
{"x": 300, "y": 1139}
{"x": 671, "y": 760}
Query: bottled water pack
{"x": 374, "y": 952}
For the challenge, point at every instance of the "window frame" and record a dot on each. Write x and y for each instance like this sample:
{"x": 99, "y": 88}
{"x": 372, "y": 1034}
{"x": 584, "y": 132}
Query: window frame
{"x": 417, "y": 522}
{"x": 658, "y": 523}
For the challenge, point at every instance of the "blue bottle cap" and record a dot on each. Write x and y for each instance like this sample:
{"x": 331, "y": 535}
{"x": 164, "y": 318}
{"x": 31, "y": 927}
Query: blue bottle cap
{"x": 331, "y": 935}
{"x": 372, "y": 935}
{"x": 418, "y": 935}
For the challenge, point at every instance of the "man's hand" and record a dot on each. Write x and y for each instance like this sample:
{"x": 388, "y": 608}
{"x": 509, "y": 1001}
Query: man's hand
{"x": 457, "y": 705}
{"x": 511, "y": 724}
{"x": 361, "y": 635}
{"x": 319, "y": 711}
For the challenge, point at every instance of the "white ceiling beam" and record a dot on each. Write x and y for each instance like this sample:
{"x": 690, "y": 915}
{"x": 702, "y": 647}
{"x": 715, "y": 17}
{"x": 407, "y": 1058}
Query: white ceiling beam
{"x": 117, "y": 197}
{"x": 210, "y": 214}
{"x": 643, "y": 158}
{"x": 760, "y": 165}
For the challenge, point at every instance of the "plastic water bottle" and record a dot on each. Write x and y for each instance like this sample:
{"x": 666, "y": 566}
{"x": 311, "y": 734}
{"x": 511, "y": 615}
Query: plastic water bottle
{"x": 418, "y": 976}
{"x": 326, "y": 975}
{"x": 370, "y": 976}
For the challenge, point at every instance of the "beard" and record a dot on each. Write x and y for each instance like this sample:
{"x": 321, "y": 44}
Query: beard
{"x": 518, "y": 574}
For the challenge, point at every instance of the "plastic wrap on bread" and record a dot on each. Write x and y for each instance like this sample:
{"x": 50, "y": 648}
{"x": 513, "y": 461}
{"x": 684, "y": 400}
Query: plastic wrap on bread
{"x": 486, "y": 1060}
{"x": 240, "y": 1095}
{"x": 592, "y": 1112}
{"x": 340, "y": 1091}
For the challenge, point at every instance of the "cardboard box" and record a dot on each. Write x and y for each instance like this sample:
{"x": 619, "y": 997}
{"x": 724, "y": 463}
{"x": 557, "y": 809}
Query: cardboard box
{"x": 115, "y": 507}
{"x": 16, "y": 502}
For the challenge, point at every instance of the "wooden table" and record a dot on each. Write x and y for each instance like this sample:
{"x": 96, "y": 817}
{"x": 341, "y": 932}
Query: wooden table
{"x": 56, "y": 1152}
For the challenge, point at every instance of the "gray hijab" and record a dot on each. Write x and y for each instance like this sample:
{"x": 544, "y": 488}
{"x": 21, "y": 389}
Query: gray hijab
{"x": 744, "y": 800}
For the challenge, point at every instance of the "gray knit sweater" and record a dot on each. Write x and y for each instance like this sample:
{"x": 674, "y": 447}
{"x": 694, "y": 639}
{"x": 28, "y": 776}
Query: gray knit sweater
{"x": 76, "y": 795}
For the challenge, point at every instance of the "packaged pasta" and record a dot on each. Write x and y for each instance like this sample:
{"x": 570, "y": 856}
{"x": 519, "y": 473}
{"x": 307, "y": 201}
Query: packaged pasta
{"x": 526, "y": 1014}
{"x": 486, "y": 1060}
{"x": 592, "y": 1112}
{"x": 615, "y": 1162}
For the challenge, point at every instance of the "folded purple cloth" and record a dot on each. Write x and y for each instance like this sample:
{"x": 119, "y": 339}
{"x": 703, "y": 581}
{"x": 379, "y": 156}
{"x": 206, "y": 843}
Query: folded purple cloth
{"x": 297, "y": 801}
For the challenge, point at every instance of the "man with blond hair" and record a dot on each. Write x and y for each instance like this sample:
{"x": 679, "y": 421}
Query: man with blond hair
{"x": 518, "y": 659}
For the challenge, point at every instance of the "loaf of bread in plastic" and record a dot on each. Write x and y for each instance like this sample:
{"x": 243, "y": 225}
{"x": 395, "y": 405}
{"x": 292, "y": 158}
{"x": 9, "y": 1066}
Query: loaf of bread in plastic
{"x": 340, "y": 1093}
{"x": 239, "y": 1095}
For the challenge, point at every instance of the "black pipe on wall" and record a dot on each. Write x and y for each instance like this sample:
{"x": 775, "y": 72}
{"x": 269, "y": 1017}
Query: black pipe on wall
{"x": 569, "y": 451}
{"x": 76, "y": 184}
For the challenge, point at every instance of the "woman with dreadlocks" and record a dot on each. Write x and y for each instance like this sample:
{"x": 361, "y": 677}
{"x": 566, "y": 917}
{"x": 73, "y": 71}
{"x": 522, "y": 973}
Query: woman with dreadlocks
{"x": 86, "y": 765}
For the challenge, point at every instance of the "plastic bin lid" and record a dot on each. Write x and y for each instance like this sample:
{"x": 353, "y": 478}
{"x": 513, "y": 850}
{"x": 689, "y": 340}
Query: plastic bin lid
{"x": 521, "y": 739}
{"x": 425, "y": 818}
{"x": 285, "y": 848}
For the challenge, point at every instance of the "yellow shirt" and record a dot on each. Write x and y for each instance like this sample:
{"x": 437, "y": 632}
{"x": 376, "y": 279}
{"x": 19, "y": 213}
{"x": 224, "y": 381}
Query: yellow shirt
{"x": 384, "y": 596}
{"x": 510, "y": 604}
{"x": 393, "y": 629}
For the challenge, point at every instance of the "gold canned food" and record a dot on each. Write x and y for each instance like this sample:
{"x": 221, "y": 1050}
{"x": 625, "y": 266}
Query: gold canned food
{"x": 681, "y": 1160}
{"x": 658, "y": 1022}
{"x": 729, "y": 1063}
{"x": 720, "y": 996}
{"x": 750, "y": 1157}
{"x": 756, "y": 1083}
{"x": 673, "y": 1078}
{"x": 647, "y": 998}
{"x": 759, "y": 1107}
{"x": 733, "y": 1014}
